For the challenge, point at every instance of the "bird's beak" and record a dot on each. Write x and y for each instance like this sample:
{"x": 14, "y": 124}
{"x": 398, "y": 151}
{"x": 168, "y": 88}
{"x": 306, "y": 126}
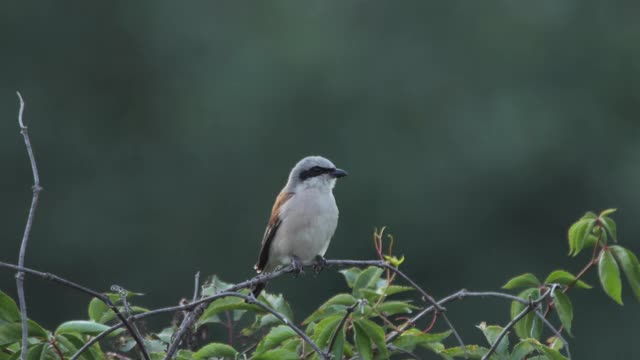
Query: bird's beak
{"x": 338, "y": 173}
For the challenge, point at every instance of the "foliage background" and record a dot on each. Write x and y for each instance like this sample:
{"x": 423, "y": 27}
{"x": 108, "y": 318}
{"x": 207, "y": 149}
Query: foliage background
{"x": 476, "y": 132}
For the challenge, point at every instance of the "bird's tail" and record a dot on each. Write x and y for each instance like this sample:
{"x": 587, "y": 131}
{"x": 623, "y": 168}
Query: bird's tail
{"x": 257, "y": 289}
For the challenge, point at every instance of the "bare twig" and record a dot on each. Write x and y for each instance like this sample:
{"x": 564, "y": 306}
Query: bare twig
{"x": 406, "y": 352}
{"x": 105, "y": 299}
{"x": 195, "y": 314}
{"x": 196, "y": 288}
{"x": 386, "y": 265}
{"x": 555, "y": 331}
{"x": 425, "y": 295}
{"x": 459, "y": 295}
{"x": 232, "y": 291}
{"x": 334, "y": 337}
{"x": 243, "y": 285}
{"x": 532, "y": 306}
{"x": 27, "y": 230}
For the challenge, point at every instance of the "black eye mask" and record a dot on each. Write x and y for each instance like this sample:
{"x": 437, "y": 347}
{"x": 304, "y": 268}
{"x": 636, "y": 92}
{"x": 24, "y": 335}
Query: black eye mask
{"x": 313, "y": 172}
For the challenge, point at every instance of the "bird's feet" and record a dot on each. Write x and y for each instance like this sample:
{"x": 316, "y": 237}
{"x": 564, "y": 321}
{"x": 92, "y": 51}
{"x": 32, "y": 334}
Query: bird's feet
{"x": 319, "y": 264}
{"x": 298, "y": 268}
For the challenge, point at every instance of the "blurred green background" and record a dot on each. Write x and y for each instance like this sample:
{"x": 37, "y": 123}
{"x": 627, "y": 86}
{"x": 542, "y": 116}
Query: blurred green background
{"x": 476, "y": 131}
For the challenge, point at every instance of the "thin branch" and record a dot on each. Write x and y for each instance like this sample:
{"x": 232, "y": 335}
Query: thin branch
{"x": 105, "y": 299}
{"x": 243, "y": 285}
{"x": 195, "y": 314}
{"x": 406, "y": 352}
{"x": 27, "y": 230}
{"x": 532, "y": 306}
{"x": 459, "y": 295}
{"x": 386, "y": 265}
{"x": 188, "y": 321}
{"x": 425, "y": 295}
{"x": 196, "y": 288}
{"x": 555, "y": 331}
{"x": 334, "y": 337}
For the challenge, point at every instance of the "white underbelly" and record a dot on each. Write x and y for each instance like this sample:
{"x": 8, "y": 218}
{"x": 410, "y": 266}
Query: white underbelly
{"x": 305, "y": 233}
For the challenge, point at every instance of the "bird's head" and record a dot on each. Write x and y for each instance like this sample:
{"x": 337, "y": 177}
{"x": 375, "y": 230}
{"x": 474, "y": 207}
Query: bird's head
{"x": 314, "y": 172}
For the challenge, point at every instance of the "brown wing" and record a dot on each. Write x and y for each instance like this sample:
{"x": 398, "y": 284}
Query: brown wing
{"x": 270, "y": 232}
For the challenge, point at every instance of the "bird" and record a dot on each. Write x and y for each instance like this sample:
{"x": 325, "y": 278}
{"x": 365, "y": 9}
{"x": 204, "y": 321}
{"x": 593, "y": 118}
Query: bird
{"x": 303, "y": 219}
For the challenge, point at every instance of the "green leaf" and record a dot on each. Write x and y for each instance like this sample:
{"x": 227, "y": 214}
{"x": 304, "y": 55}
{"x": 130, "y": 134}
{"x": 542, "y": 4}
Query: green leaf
{"x": 522, "y": 349}
{"x": 366, "y": 279}
{"x": 70, "y": 343}
{"x": 524, "y": 280}
{"x": 9, "y": 311}
{"x": 277, "y": 354}
{"x": 607, "y": 212}
{"x": 275, "y": 337}
{"x": 213, "y": 286}
{"x": 97, "y": 310}
{"x": 41, "y": 352}
{"x": 81, "y": 327}
{"x": 564, "y": 309}
{"x": 323, "y": 313}
{"x": 630, "y": 267}
{"x": 12, "y": 332}
{"x": 75, "y": 341}
{"x": 185, "y": 355}
{"x": 292, "y": 344}
{"x": 491, "y": 333}
{"x": 109, "y": 315}
{"x": 338, "y": 346}
{"x": 166, "y": 334}
{"x": 362, "y": 342}
{"x": 372, "y": 296}
{"x": 394, "y": 261}
{"x": 350, "y": 275}
{"x": 278, "y": 303}
{"x": 116, "y": 298}
{"x": 610, "y": 276}
{"x": 395, "y": 289}
{"x": 395, "y": 307}
{"x": 210, "y": 315}
{"x": 578, "y": 234}
{"x": 376, "y": 334}
{"x": 334, "y": 305}
{"x": 551, "y": 354}
{"x": 414, "y": 337}
{"x": 216, "y": 350}
{"x": 472, "y": 351}
{"x": 325, "y": 329}
{"x": 565, "y": 278}
{"x": 610, "y": 225}
{"x": 529, "y": 326}
{"x": 341, "y": 299}
{"x": 154, "y": 345}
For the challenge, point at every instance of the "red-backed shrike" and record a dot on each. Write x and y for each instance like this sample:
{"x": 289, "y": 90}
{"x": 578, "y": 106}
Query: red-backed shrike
{"x": 303, "y": 218}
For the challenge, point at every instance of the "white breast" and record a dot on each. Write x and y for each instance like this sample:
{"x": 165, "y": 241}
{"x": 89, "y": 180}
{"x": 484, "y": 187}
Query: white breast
{"x": 309, "y": 220}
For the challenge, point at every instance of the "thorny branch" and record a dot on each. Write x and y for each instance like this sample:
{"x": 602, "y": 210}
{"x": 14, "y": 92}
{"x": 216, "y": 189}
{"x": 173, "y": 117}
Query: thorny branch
{"x": 348, "y": 313}
{"x": 531, "y": 306}
{"x": 197, "y": 306}
{"x": 23, "y": 250}
{"x": 195, "y": 314}
{"x": 233, "y": 291}
{"x": 105, "y": 299}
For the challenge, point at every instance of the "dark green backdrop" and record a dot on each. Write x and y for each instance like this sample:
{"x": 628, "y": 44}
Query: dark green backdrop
{"x": 476, "y": 131}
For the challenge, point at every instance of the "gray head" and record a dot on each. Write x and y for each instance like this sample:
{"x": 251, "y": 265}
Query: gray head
{"x": 313, "y": 171}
